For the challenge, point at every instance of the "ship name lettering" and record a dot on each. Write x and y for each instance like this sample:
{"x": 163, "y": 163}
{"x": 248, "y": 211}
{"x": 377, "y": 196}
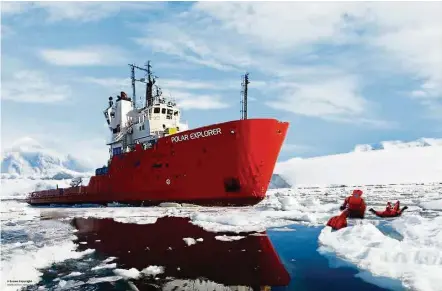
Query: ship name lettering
{"x": 196, "y": 135}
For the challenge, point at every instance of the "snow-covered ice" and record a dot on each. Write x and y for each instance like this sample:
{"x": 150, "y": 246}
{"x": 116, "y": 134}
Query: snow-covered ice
{"x": 413, "y": 256}
{"x": 391, "y": 162}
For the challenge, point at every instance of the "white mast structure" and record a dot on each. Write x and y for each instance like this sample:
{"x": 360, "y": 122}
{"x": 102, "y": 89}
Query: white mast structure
{"x": 130, "y": 125}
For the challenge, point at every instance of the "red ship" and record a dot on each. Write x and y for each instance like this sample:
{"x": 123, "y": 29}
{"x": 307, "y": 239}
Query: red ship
{"x": 154, "y": 158}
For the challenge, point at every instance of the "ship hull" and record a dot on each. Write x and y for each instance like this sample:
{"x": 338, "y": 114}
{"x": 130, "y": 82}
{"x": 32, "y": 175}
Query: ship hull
{"x": 229, "y": 163}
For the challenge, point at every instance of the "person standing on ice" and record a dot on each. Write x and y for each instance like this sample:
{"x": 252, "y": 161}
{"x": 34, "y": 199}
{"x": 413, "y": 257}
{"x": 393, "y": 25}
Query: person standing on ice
{"x": 355, "y": 204}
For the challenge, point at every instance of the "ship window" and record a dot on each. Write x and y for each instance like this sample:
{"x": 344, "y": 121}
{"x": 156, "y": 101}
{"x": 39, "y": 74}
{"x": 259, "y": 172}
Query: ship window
{"x": 175, "y": 113}
{"x": 157, "y": 165}
{"x": 169, "y": 111}
{"x": 150, "y": 111}
{"x": 163, "y": 110}
{"x": 156, "y": 110}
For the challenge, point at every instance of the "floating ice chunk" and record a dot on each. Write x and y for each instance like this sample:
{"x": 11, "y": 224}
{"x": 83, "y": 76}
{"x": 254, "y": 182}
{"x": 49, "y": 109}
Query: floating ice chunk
{"x": 103, "y": 279}
{"x": 416, "y": 260}
{"x": 110, "y": 259}
{"x": 432, "y": 205}
{"x": 128, "y": 274}
{"x": 228, "y": 238}
{"x": 153, "y": 270}
{"x": 106, "y": 266}
{"x": 189, "y": 241}
{"x": 73, "y": 274}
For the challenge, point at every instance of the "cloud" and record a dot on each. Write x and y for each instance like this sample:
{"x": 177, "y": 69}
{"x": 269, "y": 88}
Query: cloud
{"x": 181, "y": 90}
{"x": 282, "y": 40}
{"x": 187, "y": 100}
{"x": 282, "y": 26}
{"x": 33, "y": 87}
{"x": 173, "y": 84}
{"x": 198, "y": 85}
{"x": 11, "y": 8}
{"x": 84, "y": 56}
{"x": 123, "y": 84}
{"x": 77, "y": 11}
{"x": 337, "y": 96}
{"x": 412, "y": 38}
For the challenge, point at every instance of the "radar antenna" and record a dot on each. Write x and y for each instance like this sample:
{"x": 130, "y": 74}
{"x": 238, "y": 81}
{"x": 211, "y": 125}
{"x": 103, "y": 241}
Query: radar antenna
{"x": 244, "y": 91}
{"x": 149, "y": 80}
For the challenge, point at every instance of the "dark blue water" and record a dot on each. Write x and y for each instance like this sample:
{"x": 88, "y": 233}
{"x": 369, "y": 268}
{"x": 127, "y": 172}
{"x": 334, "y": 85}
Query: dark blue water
{"x": 282, "y": 260}
{"x": 311, "y": 270}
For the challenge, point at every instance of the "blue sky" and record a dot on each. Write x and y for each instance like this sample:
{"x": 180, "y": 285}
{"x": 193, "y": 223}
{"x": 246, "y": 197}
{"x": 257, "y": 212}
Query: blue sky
{"x": 341, "y": 73}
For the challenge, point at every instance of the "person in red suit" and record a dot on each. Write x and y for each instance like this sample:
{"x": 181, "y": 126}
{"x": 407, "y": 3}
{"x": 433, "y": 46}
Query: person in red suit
{"x": 354, "y": 204}
{"x": 390, "y": 211}
{"x": 339, "y": 221}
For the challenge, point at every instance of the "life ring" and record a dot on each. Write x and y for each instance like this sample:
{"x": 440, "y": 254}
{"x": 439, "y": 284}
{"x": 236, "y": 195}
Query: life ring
{"x": 168, "y": 181}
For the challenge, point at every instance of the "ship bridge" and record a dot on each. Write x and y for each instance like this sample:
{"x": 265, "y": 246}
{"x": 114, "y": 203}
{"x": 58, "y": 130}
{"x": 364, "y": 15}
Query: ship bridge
{"x": 130, "y": 124}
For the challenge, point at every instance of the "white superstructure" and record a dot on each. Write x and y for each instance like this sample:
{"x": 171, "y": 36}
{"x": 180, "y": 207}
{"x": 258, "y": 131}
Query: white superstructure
{"x": 130, "y": 125}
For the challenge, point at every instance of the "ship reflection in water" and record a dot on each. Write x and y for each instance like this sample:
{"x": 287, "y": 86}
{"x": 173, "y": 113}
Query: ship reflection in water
{"x": 250, "y": 263}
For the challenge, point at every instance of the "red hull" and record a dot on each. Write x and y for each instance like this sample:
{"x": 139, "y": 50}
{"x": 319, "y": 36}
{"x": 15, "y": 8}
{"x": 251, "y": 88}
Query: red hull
{"x": 231, "y": 166}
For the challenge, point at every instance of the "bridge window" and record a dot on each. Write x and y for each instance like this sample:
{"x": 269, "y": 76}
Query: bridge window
{"x": 163, "y": 110}
{"x": 156, "y": 110}
{"x": 175, "y": 113}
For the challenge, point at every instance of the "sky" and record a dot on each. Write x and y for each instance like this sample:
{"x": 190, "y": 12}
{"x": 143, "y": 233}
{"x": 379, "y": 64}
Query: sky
{"x": 342, "y": 73}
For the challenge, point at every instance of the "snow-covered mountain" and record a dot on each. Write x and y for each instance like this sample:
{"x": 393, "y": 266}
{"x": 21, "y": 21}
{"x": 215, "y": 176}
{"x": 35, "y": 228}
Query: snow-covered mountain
{"x": 28, "y": 159}
{"x": 391, "y": 162}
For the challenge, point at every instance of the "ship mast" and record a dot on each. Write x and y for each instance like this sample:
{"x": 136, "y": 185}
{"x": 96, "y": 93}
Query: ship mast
{"x": 133, "y": 83}
{"x": 149, "y": 80}
{"x": 244, "y": 84}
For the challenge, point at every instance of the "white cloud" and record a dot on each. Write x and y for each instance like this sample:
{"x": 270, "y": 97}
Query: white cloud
{"x": 337, "y": 96}
{"x": 84, "y": 56}
{"x": 180, "y": 90}
{"x": 33, "y": 87}
{"x": 276, "y": 38}
{"x": 412, "y": 37}
{"x": 111, "y": 83}
{"x": 188, "y": 101}
{"x": 174, "y": 84}
{"x": 198, "y": 84}
{"x": 77, "y": 11}
{"x": 282, "y": 26}
{"x": 11, "y": 8}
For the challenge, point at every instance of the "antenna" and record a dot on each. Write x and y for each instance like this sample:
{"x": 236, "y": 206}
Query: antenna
{"x": 244, "y": 92}
{"x": 149, "y": 83}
